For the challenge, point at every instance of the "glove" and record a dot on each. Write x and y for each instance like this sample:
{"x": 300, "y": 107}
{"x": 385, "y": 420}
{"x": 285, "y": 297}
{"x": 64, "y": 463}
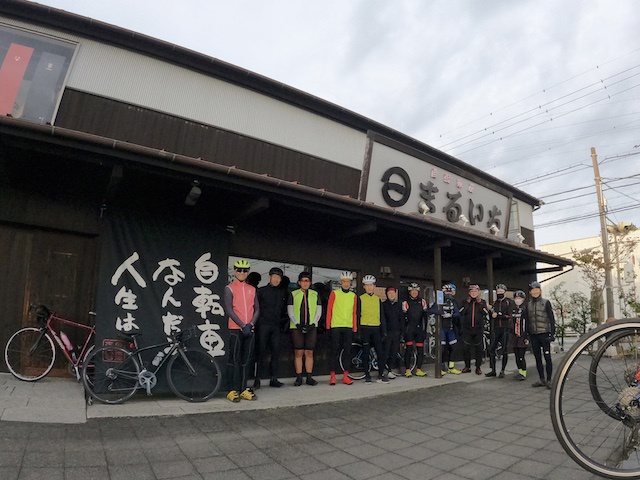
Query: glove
{"x": 299, "y": 326}
{"x": 247, "y": 329}
{"x": 552, "y": 337}
{"x": 304, "y": 329}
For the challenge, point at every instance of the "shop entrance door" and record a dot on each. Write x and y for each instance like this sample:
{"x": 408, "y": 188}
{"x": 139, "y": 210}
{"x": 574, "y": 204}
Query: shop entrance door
{"x": 57, "y": 269}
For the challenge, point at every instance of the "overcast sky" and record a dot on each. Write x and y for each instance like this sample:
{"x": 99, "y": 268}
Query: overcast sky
{"x": 521, "y": 89}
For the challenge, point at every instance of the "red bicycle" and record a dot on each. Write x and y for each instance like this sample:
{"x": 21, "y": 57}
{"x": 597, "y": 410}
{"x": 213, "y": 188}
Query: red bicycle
{"x": 30, "y": 353}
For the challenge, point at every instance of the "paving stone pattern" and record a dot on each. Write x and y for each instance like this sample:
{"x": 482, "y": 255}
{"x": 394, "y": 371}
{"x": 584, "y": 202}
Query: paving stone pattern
{"x": 493, "y": 429}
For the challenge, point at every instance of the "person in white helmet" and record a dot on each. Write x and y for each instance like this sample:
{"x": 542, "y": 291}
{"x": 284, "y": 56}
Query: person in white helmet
{"x": 341, "y": 323}
{"x": 373, "y": 327}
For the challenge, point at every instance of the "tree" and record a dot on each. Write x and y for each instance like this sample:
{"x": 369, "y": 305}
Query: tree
{"x": 583, "y": 313}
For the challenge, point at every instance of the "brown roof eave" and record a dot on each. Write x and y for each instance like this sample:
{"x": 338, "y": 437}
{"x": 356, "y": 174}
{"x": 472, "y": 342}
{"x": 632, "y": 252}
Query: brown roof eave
{"x": 164, "y": 159}
{"x": 177, "y": 55}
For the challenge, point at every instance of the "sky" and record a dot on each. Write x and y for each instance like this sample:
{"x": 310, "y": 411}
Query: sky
{"x": 520, "y": 89}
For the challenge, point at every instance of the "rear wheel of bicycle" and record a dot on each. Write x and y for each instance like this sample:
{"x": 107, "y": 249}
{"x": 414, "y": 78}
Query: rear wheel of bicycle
{"x": 352, "y": 361}
{"x": 30, "y": 354}
{"x": 199, "y": 385}
{"x": 595, "y": 406}
{"x": 115, "y": 375}
{"x": 413, "y": 357}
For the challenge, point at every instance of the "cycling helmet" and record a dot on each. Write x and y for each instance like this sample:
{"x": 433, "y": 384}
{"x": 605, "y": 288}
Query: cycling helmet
{"x": 474, "y": 287}
{"x": 533, "y": 285}
{"x": 346, "y": 275}
{"x": 519, "y": 294}
{"x": 276, "y": 271}
{"x": 446, "y": 288}
{"x": 413, "y": 286}
{"x": 452, "y": 286}
{"x": 241, "y": 264}
{"x": 501, "y": 286}
{"x": 368, "y": 279}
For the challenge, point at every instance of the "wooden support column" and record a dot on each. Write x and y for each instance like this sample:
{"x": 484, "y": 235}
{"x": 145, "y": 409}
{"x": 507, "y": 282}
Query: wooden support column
{"x": 437, "y": 284}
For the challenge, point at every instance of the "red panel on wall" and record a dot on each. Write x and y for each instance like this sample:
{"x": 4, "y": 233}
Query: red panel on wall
{"x": 11, "y": 73}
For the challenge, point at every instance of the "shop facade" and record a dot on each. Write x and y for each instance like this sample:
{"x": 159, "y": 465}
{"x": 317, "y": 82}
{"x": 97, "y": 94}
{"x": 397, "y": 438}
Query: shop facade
{"x": 149, "y": 167}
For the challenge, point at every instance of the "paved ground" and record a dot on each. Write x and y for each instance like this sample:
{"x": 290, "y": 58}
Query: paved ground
{"x": 462, "y": 427}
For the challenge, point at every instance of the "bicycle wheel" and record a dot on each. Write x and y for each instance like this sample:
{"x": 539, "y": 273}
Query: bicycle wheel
{"x": 595, "y": 409}
{"x": 115, "y": 375}
{"x": 30, "y": 354}
{"x": 413, "y": 360}
{"x": 198, "y": 386}
{"x": 352, "y": 361}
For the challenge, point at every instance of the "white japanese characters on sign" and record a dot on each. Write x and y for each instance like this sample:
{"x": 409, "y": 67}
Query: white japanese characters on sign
{"x": 168, "y": 271}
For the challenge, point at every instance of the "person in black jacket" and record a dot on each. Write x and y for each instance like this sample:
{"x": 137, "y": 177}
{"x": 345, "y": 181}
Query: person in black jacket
{"x": 273, "y": 307}
{"x": 501, "y": 322}
{"x": 519, "y": 336}
{"x": 542, "y": 330}
{"x": 395, "y": 322}
{"x": 473, "y": 314}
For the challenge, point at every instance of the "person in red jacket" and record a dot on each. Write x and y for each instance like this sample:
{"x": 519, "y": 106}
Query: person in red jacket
{"x": 240, "y": 303}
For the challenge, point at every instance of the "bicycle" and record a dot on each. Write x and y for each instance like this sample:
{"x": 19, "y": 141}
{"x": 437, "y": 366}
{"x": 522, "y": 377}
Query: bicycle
{"x": 353, "y": 361}
{"x": 192, "y": 374}
{"x": 30, "y": 353}
{"x": 595, "y": 400}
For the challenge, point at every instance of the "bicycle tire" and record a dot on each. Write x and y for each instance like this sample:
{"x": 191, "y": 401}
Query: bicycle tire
{"x": 194, "y": 388}
{"x": 115, "y": 375}
{"x": 602, "y": 397}
{"x": 30, "y": 354}
{"x": 414, "y": 357}
{"x": 352, "y": 362}
{"x": 598, "y": 425}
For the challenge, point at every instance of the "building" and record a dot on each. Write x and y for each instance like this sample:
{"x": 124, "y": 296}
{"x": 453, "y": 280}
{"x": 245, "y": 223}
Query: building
{"x": 132, "y": 170}
{"x": 624, "y": 274}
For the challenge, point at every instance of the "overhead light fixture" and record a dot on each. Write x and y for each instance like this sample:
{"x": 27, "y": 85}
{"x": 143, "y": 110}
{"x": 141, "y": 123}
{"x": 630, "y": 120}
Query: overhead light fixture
{"x": 494, "y": 229}
{"x": 193, "y": 195}
{"x": 424, "y": 208}
{"x": 464, "y": 220}
{"x": 520, "y": 238}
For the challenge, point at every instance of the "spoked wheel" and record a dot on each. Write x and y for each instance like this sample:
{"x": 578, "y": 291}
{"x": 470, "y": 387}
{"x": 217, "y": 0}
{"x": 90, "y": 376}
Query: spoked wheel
{"x": 30, "y": 354}
{"x": 199, "y": 384}
{"x": 595, "y": 400}
{"x": 114, "y": 378}
{"x": 413, "y": 358}
{"x": 352, "y": 361}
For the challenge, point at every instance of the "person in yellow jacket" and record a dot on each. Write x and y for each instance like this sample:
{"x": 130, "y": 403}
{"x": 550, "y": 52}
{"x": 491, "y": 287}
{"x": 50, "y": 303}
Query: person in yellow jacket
{"x": 304, "y": 309}
{"x": 373, "y": 328}
{"x": 341, "y": 323}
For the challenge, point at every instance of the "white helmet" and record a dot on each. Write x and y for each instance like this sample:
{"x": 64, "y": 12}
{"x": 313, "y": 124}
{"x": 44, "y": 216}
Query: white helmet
{"x": 369, "y": 279}
{"x": 346, "y": 275}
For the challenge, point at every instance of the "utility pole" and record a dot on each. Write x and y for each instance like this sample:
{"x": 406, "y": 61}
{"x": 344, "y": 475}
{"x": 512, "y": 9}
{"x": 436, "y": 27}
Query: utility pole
{"x": 605, "y": 239}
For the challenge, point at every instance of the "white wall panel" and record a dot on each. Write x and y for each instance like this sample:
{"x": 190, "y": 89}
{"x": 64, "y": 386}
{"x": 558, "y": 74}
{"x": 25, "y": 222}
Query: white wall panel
{"x": 133, "y": 78}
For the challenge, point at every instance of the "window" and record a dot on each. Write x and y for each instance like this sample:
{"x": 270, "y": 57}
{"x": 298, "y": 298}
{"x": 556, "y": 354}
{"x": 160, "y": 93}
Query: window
{"x": 33, "y": 71}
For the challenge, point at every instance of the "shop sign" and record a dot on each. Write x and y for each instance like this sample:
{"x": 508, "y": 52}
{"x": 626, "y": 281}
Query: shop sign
{"x": 412, "y": 185}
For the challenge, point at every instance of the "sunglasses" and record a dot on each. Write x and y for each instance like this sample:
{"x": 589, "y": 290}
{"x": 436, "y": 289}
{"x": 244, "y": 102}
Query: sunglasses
{"x": 242, "y": 270}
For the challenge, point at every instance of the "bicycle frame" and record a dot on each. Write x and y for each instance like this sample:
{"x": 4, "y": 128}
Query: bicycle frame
{"x": 55, "y": 333}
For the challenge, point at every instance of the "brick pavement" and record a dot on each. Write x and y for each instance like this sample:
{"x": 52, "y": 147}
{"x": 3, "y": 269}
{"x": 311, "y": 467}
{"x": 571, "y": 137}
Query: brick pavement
{"x": 481, "y": 429}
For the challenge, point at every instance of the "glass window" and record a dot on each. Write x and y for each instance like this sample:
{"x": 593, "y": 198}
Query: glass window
{"x": 33, "y": 71}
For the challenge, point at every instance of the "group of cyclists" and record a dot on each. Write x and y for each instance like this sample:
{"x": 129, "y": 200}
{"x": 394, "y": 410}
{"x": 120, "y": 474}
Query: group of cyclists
{"x": 516, "y": 324}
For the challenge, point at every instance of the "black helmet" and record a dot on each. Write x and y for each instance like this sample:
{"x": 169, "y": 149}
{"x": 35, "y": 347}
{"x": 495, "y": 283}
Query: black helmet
{"x": 304, "y": 275}
{"x": 519, "y": 294}
{"x": 276, "y": 271}
{"x": 533, "y": 285}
